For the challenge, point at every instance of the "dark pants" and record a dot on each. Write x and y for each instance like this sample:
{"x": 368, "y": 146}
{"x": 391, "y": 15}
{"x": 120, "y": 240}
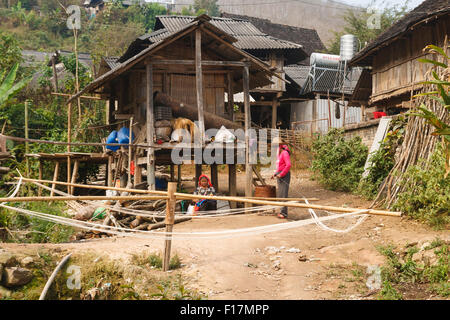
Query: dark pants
{"x": 283, "y": 190}
{"x": 208, "y": 205}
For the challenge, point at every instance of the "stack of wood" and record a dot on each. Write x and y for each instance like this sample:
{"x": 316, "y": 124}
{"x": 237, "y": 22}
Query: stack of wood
{"x": 111, "y": 217}
{"x": 419, "y": 143}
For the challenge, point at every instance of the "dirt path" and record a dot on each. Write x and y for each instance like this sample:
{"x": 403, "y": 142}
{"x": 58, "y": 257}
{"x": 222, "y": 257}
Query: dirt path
{"x": 259, "y": 267}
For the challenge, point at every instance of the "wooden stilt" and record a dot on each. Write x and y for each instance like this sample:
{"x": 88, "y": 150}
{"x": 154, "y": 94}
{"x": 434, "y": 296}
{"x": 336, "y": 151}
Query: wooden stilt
{"x": 109, "y": 171}
{"x": 130, "y": 152}
{"x": 172, "y": 173}
{"x": 232, "y": 183}
{"x": 170, "y": 220}
{"x": 215, "y": 177}
{"x": 198, "y": 173}
{"x": 274, "y": 112}
{"x": 179, "y": 176}
{"x": 76, "y": 165}
{"x": 55, "y": 178}
{"x": 40, "y": 176}
{"x": 199, "y": 84}
{"x": 150, "y": 130}
{"x": 248, "y": 166}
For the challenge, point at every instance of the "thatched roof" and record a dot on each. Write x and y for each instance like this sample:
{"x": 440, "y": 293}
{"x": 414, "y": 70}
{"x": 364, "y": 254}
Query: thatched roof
{"x": 428, "y": 10}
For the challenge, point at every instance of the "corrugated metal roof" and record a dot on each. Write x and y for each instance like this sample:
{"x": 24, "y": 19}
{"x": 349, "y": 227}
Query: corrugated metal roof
{"x": 248, "y": 36}
{"x": 112, "y": 62}
{"x": 297, "y": 73}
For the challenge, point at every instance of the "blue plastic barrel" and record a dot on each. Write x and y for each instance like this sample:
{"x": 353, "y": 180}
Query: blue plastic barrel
{"x": 123, "y": 136}
{"x": 112, "y": 138}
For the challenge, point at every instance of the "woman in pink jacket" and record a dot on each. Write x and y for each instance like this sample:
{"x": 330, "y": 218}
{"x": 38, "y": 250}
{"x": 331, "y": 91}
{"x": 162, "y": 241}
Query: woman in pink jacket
{"x": 283, "y": 174}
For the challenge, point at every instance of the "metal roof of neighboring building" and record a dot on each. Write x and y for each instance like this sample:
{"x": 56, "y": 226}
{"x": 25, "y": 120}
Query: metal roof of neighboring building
{"x": 248, "y": 36}
{"x": 426, "y": 10}
{"x": 298, "y": 74}
{"x": 308, "y": 38}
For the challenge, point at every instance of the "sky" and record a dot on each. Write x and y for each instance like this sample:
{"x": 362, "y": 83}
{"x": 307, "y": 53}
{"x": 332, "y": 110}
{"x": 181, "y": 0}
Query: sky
{"x": 365, "y": 3}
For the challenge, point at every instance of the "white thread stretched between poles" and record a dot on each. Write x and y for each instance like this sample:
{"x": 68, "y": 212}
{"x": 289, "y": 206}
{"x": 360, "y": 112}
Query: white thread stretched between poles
{"x": 192, "y": 235}
{"x": 320, "y": 224}
{"x": 175, "y": 235}
{"x": 202, "y": 214}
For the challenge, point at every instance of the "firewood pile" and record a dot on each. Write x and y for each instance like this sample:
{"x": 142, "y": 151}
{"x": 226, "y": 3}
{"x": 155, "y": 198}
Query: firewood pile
{"x": 109, "y": 214}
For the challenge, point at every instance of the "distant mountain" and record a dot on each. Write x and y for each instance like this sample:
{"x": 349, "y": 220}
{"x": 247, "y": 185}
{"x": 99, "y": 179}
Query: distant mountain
{"x": 325, "y": 16}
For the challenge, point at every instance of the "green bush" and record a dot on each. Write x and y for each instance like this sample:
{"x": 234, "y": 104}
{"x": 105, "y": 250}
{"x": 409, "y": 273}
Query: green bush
{"x": 427, "y": 195}
{"x": 338, "y": 162}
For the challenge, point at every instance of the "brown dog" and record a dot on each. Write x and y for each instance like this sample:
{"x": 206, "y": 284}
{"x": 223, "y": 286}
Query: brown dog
{"x": 185, "y": 124}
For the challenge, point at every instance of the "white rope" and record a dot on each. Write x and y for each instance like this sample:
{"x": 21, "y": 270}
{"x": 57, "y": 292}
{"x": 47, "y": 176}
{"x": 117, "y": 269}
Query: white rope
{"x": 175, "y": 235}
{"x": 320, "y": 224}
{"x": 142, "y": 213}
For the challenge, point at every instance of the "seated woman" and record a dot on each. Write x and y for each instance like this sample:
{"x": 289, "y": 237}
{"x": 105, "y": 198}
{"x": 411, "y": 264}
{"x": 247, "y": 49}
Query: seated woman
{"x": 205, "y": 188}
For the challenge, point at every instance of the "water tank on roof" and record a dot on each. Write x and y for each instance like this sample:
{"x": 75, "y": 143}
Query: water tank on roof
{"x": 349, "y": 47}
{"x": 322, "y": 60}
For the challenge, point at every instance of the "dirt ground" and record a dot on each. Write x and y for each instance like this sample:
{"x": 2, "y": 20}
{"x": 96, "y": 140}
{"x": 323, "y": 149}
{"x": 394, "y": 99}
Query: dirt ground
{"x": 328, "y": 265}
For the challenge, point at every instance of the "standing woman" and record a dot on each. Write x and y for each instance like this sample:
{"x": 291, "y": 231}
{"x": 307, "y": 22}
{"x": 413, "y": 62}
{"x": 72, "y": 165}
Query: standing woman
{"x": 283, "y": 173}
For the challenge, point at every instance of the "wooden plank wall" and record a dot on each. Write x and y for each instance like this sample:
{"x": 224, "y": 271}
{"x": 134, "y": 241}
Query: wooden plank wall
{"x": 131, "y": 90}
{"x": 395, "y": 66}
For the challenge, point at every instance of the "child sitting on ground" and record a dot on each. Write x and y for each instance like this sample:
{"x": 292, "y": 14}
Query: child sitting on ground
{"x": 205, "y": 188}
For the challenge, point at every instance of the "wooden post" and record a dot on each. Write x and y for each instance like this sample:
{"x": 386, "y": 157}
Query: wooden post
{"x": 41, "y": 168}
{"x": 314, "y": 116}
{"x": 27, "y": 150}
{"x": 172, "y": 173}
{"x": 150, "y": 129}
{"x": 170, "y": 220}
{"x": 232, "y": 183}
{"x": 199, "y": 84}
{"x": 274, "y": 112}
{"x": 179, "y": 176}
{"x": 248, "y": 166}
{"x": 74, "y": 175}
{"x": 215, "y": 177}
{"x": 55, "y": 74}
{"x": 109, "y": 171}
{"x": 55, "y": 178}
{"x": 230, "y": 95}
{"x": 130, "y": 151}
{"x": 329, "y": 112}
{"x": 69, "y": 140}
{"x": 198, "y": 173}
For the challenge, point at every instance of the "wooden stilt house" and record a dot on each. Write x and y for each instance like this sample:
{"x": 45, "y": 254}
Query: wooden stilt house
{"x": 192, "y": 68}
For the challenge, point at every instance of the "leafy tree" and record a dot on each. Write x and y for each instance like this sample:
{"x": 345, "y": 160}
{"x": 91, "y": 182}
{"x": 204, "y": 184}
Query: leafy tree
{"x": 10, "y": 52}
{"x": 357, "y": 24}
{"x": 146, "y": 14}
{"x": 210, "y": 7}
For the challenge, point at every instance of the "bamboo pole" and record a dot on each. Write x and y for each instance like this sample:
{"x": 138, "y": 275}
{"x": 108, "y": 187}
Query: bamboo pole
{"x": 170, "y": 221}
{"x": 81, "y": 198}
{"x": 55, "y": 178}
{"x": 182, "y": 196}
{"x": 27, "y": 150}
{"x": 53, "y": 276}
